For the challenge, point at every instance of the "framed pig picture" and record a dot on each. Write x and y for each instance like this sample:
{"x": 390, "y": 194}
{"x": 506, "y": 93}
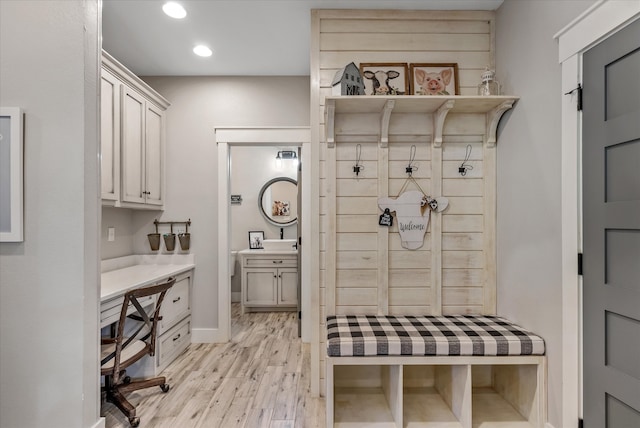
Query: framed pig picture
{"x": 385, "y": 78}
{"x": 434, "y": 79}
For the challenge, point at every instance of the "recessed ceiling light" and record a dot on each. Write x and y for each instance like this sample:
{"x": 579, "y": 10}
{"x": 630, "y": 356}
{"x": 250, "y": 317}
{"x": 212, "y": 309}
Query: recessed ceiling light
{"x": 202, "y": 50}
{"x": 174, "y": 10}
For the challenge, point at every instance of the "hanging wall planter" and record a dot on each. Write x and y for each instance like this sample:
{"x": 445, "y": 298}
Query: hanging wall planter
{"x": 170, "y": 241}
{"x": 185, "y": 239}
{"x": 154, "y": 239}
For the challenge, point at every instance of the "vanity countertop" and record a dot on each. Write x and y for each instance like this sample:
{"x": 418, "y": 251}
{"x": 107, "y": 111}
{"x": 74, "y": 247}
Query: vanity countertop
{"x": 126, "y": 273}
{"x": 265, "y": 252}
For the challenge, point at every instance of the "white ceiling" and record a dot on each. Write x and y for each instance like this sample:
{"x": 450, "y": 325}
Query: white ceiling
{"x": 248, "y": 37}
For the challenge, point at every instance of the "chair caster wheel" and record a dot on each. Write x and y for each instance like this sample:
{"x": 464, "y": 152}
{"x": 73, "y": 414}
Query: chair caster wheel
{"x": 165, "y": 387}
{"x": 134, "y": 421}
{"x": 126, "y": 380}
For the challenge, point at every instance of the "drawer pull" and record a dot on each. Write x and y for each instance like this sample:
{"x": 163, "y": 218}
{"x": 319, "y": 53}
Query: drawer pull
{"x": 177, "y": 337}
{"x": 176, "y": 300}
{"x": 277, "y": 262}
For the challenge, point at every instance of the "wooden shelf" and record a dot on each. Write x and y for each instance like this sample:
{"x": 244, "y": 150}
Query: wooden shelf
{"x": 507, "y": 394}
{"x": 362, "y": 407}
{"x": 425, "y": 408}
{"x": 491, "y": 410}
{"x": 416, "y": 103}
{"x": 438, "y": 106}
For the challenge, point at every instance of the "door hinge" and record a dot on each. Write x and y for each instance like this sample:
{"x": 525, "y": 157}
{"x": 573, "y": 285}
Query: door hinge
{"x": 578, "y": 90}
{"x": 579, "y": 263}
{"x": 580, "y": 423}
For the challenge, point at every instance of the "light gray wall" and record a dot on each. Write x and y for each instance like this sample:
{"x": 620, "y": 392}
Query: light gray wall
{"x": 121, "y": 220}
{"x": 529, "y": 174}
{"x": 49, "y": 283}
{"x": 198, "y": 106}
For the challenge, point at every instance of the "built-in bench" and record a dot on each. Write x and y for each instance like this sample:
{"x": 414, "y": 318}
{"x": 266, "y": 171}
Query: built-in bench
{"x": 434, "y": 371}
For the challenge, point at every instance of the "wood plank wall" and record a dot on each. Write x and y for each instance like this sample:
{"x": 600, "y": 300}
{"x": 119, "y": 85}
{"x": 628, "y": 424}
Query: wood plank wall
{"x": 363, "y": 267}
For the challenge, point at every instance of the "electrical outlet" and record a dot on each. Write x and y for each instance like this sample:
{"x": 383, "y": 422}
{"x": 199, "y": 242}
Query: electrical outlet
{"x": 111, "y": 234}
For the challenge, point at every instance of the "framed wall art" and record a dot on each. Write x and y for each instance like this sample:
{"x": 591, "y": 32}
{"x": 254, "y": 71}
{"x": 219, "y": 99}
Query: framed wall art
{"x": 434, "y": 79}
{"x": 385, "y": 78}
{"x": 11, "y": 174}
{"x": 255, "y": 239}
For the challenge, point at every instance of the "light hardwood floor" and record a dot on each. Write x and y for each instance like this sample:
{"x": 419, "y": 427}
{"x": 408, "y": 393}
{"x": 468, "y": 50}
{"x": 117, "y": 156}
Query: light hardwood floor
{"x": 259, "y": 379}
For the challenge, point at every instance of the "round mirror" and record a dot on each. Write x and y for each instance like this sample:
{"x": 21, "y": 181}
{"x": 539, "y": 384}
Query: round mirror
{"x": 278, "y": 201}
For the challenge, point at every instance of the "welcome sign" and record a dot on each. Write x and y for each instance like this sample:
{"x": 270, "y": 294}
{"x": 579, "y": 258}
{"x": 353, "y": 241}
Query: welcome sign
{"x": 412, "y": 211}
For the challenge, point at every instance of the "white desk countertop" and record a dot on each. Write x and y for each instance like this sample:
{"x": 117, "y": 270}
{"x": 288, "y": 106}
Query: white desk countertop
{"x": 132, "y": 272}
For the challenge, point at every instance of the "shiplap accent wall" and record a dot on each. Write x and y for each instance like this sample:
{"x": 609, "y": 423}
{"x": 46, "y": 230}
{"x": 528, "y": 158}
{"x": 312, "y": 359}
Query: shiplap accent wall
{"x": 363, "y": 267}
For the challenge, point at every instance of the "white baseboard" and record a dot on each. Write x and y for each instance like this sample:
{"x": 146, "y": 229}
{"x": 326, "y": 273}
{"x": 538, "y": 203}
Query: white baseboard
{"x": 206, "y": 335}
{"x": 236, "y": 296}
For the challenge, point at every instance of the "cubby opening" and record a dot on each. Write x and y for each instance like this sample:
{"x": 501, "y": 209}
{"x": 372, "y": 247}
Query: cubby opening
{"x": 367, "y": 395}
{"x": 436, "y": 396}
{"x": 506, "y": 395}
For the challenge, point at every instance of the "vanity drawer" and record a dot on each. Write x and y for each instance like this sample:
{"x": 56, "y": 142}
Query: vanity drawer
{"x": 270, "y": 261}
{"x": 173, "y": 342}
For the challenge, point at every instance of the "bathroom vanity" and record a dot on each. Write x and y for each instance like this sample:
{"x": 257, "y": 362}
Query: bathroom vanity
{"x": 269, "y": 278}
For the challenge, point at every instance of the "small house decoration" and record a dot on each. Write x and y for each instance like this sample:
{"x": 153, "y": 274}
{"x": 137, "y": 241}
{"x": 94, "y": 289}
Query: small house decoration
{"x": 348, "y": 81}
{"x": 413, "y": 210}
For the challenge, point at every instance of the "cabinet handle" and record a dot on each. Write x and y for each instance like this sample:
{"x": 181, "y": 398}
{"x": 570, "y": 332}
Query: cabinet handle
{"x": 176, "y": 300}
{"x": 177, "y": 337}
{"x": 277, "y": 262}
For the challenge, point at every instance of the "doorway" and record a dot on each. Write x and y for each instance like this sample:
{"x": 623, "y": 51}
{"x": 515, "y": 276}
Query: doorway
{"x": 227, "y": 139}
{"x": 264, "y": 189}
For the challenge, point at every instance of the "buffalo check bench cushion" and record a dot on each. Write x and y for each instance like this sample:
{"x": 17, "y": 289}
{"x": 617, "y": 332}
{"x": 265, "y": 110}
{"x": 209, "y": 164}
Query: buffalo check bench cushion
{"x": 371, "y": 335}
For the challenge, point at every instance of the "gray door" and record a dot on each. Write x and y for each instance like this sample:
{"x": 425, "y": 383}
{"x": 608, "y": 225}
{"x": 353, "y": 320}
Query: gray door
{"x": 299, "y": 233}
{"x": 611, "y": 211}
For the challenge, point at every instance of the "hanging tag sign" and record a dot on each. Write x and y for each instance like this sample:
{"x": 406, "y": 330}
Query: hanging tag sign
{"x": 386, "y": 219}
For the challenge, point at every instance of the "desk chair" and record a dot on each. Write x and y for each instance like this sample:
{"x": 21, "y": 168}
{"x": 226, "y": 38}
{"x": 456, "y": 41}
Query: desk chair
{"x": 130, "y": 344}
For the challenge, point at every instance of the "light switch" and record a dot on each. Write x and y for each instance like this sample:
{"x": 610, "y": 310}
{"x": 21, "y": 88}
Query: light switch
{"x": 111, "y": 234}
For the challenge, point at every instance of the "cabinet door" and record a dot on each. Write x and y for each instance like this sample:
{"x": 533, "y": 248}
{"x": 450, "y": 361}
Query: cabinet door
{"x": 133, "y": 125}
{"x": 260, "y": 287}
{"x": 110, "y": 136}
{"x": 154, "y": 155}
{"x": 288, "y": 287}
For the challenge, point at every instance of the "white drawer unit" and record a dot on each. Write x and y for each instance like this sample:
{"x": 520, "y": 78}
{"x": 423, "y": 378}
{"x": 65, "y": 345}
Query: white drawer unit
{"x": 269, "y": 280}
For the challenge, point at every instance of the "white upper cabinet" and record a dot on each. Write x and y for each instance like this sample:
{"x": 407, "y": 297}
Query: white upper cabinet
{"x": 110, "y": 90}
{"x": 133, "y": 134}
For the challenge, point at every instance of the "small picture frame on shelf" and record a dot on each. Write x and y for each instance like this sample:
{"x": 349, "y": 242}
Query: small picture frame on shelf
{"x": 255, "y": 239}
{"x": 434, "y": 79}
{"x": 385, "y": 78}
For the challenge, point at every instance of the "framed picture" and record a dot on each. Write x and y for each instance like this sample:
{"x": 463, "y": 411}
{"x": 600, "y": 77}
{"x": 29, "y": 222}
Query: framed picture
{"x": 11, "y": 174}
{"x": 280, "y": 209}
{"x": 434, "y": 79}
{"x": 255, "y": 239}
{"x": 385, "y": 78}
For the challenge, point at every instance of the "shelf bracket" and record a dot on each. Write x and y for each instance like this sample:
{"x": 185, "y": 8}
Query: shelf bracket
{"x": 493, "y": 118}
{"x": 438, "y": 121}
{"x": 329, "y": 123}
{"x": 385, "y": 117}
